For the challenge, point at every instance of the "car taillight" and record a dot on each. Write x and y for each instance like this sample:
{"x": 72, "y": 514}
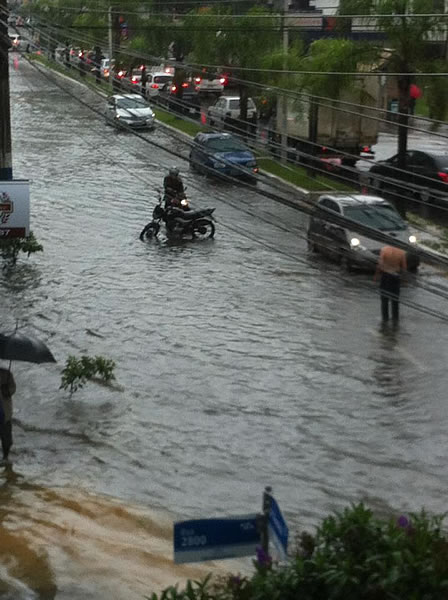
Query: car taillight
{"x": 155, "y": 86}
{"x": 134, "y": 80}
{"x": 443, "y": 176}
{"x": 185, "y": 84}
{"x": 366, "y": 149}
{"x": 173, "y": 88}
{"x": 106, "y": 72}
{"x": 120, "y": 74}
{"x": 197, "y": 80}
{"x": 222, "y": 81}
{"x": 142, "y": 67}
{"x": 324, "y": 148}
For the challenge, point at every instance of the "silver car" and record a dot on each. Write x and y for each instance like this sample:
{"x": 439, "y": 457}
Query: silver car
{"x": 129, "y": 110}
{"x": 348, "y": 247}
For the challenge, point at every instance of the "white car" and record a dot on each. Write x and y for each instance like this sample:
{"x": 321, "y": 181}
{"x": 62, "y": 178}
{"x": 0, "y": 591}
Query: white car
{"x": 129, "y": 110}
{"x": 227, "y": 108}
{"x": 155, "y": 82}
{"x": 210, "y": 86}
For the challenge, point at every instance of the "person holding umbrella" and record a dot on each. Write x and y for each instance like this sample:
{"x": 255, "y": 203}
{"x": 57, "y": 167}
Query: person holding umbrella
{"x": 7, "y": 390}
{"x": 16, "y": 346}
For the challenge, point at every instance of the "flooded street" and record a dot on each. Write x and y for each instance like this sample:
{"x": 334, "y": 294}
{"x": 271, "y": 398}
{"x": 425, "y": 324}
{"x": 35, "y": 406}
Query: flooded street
{"x": 241, "y": 362}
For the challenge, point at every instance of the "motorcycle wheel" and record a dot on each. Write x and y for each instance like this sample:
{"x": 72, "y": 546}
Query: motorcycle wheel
{"x": 202, "y": 229}
{"x": 150, "y": 231}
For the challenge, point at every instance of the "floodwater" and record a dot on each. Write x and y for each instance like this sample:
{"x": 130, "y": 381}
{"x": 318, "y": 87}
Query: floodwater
{"x": 241, "y": 362}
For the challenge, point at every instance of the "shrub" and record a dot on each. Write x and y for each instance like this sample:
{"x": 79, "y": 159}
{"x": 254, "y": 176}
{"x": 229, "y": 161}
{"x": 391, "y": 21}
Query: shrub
{"x": 352, "y": 556}
{"x": 78, "y": 371}
{"x": 10, "y": 248}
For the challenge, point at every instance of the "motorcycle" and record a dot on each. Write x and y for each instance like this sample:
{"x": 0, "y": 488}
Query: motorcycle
{"x": 180, "y": 220}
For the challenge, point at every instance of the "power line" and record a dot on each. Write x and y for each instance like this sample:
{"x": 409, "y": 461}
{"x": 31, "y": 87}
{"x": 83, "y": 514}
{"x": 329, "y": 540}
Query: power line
{"x": 379, "y": 178}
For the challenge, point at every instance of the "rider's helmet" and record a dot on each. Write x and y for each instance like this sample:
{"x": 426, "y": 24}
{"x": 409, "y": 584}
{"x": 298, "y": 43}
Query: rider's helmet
{"x": 174, "y": 171}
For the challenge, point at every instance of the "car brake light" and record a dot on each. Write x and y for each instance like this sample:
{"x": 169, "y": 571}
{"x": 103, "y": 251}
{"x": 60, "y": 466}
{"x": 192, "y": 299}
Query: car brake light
{"x": 185, "y": 84}
{"x": 197, "y": 80}
{"x": 366, "y": 149}
{"x": 222, "y": 80}
{"x": 443, "y": 176}
{"x": 173, "y": 88}
{"x": 120, "y": 74}
{"x": 134, "y": 80}
{"x": 142, "y": 67}
{"x": 324, "y": 148}
{"x": 155, "y": 86}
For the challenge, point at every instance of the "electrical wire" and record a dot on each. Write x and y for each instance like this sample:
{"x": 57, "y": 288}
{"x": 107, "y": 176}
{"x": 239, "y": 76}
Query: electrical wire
{"x": 414, "y": 305}
{"x": 379, "y": 178}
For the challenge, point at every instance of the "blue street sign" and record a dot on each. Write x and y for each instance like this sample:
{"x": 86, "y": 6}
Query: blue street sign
{"x": 278, "y": 530}
{"x": 209, "y": 539}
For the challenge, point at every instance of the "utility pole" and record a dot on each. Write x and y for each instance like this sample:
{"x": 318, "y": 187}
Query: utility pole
{"x": 266, "y": 507}
{"x": 5, "y": 110}
{"x": 110, "y": 21}
{"x": 284, "y": 100}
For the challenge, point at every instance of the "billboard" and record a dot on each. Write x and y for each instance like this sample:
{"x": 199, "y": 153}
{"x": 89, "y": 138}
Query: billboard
{"x": 14, "y": 209}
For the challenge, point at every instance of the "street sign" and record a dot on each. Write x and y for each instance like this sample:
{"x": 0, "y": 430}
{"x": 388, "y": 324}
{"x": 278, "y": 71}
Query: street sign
{"x": 278, "y": 530}
{"x": 14, "y": 209}
{"x": 211, "y": 539}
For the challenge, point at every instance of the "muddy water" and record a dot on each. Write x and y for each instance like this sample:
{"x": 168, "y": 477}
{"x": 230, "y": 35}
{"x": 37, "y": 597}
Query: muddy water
{"x": 241, "y": 362}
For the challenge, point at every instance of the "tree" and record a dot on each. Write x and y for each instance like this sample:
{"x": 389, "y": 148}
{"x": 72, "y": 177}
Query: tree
{"x": 408, "y": 38}
{"x": 240, "y": 44}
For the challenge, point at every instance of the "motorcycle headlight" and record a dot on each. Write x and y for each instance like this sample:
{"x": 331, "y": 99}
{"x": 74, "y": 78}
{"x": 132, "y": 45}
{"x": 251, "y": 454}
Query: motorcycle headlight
{"x": 412, "y": 239}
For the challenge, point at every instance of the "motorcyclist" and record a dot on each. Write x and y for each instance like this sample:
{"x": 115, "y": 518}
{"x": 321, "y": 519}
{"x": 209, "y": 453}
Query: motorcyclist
{"x": 174, "y": 188}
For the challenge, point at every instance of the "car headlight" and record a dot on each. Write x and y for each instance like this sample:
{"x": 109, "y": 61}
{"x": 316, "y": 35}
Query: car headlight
{"x": 412, "y": 239}
{"x": 355, "y": 243}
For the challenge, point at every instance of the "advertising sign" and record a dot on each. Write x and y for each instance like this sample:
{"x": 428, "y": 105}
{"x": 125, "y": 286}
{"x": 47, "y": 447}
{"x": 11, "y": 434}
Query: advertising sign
{"x": 14, "y": 209}
{"x": 209, "y": 539}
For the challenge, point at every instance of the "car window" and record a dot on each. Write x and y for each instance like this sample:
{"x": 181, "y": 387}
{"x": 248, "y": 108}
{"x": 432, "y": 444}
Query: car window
{"x": 162, "y": 78}
{"x": 333, "y": 206}
{"x": 234, "y": 104}
{"x": 131, "y": 103}
{"x": 379, "y": 216}
{"x": 421, "y": 160}
{"x": 442, "y": 162}
{"x": 225, "y": 144}
{"x": 251, "y": 104}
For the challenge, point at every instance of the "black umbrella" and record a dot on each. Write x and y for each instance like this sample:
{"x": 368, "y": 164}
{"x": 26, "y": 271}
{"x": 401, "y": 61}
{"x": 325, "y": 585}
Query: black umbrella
{"x": 18, "y": 346}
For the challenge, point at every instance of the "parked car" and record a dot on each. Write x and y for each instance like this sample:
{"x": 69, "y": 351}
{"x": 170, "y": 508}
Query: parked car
{"x": 223, "y": 153}
{"x": 187, "y": 104}
{"x": 16, "y": 41}
{"x": 226, "y": 110}
{"x": 350, "y": 248}
{"x": 105, "y": 68}
{"x": 426, "y": 170}
{"x": 155, "y": 82}
{"x": 209, "y": 86}
{"x": 129, "y": 110}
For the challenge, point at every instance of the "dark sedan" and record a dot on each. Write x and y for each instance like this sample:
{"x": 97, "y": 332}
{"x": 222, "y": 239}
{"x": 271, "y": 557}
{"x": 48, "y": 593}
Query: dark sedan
{"x": 426, "y": 173}
{"x": 223, "y": 153}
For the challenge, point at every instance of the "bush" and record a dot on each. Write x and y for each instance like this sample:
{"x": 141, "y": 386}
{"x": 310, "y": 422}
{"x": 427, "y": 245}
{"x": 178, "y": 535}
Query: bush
{"x": 78, "y": 371}
{"x": 353, "y": 556}
{"x": 10, "y": 248}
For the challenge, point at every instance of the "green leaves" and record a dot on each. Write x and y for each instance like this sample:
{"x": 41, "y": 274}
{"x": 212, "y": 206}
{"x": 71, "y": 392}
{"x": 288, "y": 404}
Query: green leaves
{"x": 11, "y": 247}
{"x": 353, "y": 556}
{"x": 78, "y": 371}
